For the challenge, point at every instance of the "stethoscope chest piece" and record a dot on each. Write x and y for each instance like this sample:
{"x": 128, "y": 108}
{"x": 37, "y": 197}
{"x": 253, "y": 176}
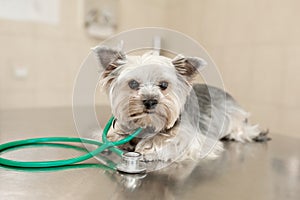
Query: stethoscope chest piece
{"x": 131, "y": 163}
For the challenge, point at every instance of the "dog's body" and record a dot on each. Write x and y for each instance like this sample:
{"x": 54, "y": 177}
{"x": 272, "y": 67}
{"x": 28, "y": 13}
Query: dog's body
{"x": 180, "y": 120}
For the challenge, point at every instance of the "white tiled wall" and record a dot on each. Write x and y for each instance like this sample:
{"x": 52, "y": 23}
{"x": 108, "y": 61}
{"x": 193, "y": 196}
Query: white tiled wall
{"x": 51, "y": 53}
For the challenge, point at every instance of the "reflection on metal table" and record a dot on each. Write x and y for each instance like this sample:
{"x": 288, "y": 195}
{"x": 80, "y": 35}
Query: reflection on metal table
{"x": 244, "y": 171}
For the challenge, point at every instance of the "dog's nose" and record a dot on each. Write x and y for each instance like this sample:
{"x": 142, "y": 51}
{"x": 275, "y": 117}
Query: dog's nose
{"x": 150, "y": 103}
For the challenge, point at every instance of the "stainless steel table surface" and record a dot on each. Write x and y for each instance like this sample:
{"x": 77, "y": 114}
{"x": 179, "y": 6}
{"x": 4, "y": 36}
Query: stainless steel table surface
{"x": 244, "y": 171}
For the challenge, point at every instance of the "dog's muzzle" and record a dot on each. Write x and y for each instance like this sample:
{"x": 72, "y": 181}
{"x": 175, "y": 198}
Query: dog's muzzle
{"x": 150, "y": 103}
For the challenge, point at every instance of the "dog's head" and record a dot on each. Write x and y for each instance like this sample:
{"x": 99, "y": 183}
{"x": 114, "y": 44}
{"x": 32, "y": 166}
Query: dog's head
{"x": 148, "y": 90}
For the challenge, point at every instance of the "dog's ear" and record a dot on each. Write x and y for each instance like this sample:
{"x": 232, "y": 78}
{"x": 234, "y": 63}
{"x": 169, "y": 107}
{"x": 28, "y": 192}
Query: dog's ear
{"x": 110, "y": 59}
{"x": 188, "y": 66}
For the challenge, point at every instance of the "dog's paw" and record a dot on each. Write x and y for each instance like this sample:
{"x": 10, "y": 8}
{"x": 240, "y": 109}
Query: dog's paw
{"x": 148, "y": 152}
{"x": 149, "y": 157}
{"x": 262, "y": 137}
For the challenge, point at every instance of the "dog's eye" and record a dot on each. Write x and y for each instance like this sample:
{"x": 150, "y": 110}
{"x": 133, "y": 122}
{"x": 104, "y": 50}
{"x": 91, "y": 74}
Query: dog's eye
{"x": 163, "y": 85}
{"x": 133, "y": 84}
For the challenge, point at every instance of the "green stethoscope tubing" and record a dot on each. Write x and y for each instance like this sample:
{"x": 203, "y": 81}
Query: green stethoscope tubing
{"x": 108, "y": 166}
{"x": 60, "y": 163}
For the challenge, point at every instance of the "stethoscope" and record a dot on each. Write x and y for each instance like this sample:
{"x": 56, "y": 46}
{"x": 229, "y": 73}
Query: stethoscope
{"x": 130, "y": 162}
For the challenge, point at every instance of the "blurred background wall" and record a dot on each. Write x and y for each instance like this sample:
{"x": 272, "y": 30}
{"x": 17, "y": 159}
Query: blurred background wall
{"x": 255, "y": 44}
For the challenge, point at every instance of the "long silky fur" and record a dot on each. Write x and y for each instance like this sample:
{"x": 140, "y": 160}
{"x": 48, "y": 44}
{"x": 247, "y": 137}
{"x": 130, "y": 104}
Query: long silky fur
{"x": 185, "y": 124}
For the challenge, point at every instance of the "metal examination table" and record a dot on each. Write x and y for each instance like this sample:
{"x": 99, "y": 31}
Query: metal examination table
{"x": 266, "y": 171}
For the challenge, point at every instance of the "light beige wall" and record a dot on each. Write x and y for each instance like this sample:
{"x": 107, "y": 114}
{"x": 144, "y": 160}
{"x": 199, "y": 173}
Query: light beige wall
{"x": 52, "y": 54}
{"x": 255, "y": 43}
{"x": 142, "y": 13}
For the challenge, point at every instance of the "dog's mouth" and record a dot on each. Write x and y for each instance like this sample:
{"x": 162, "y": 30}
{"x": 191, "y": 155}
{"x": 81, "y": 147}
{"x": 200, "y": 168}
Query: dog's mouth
{"x": 149, "y": 111}
{"x": 145, "y": 112}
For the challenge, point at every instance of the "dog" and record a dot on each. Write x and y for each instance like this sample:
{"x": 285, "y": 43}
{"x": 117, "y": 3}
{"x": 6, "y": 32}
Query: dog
{"x": 180, "y": 120}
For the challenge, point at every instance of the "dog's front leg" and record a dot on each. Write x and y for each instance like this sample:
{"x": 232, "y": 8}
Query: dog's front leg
{"x": 117, "y": 135}
{"x": 158, "y": 148}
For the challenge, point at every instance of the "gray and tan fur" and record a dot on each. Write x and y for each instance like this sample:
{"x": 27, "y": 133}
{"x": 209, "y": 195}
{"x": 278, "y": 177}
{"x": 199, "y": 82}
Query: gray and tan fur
{"x": 179, "y": 119}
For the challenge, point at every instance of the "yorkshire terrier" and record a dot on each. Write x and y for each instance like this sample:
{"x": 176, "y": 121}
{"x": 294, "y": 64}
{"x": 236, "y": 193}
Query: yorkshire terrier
{"x": 180, "y": 120}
